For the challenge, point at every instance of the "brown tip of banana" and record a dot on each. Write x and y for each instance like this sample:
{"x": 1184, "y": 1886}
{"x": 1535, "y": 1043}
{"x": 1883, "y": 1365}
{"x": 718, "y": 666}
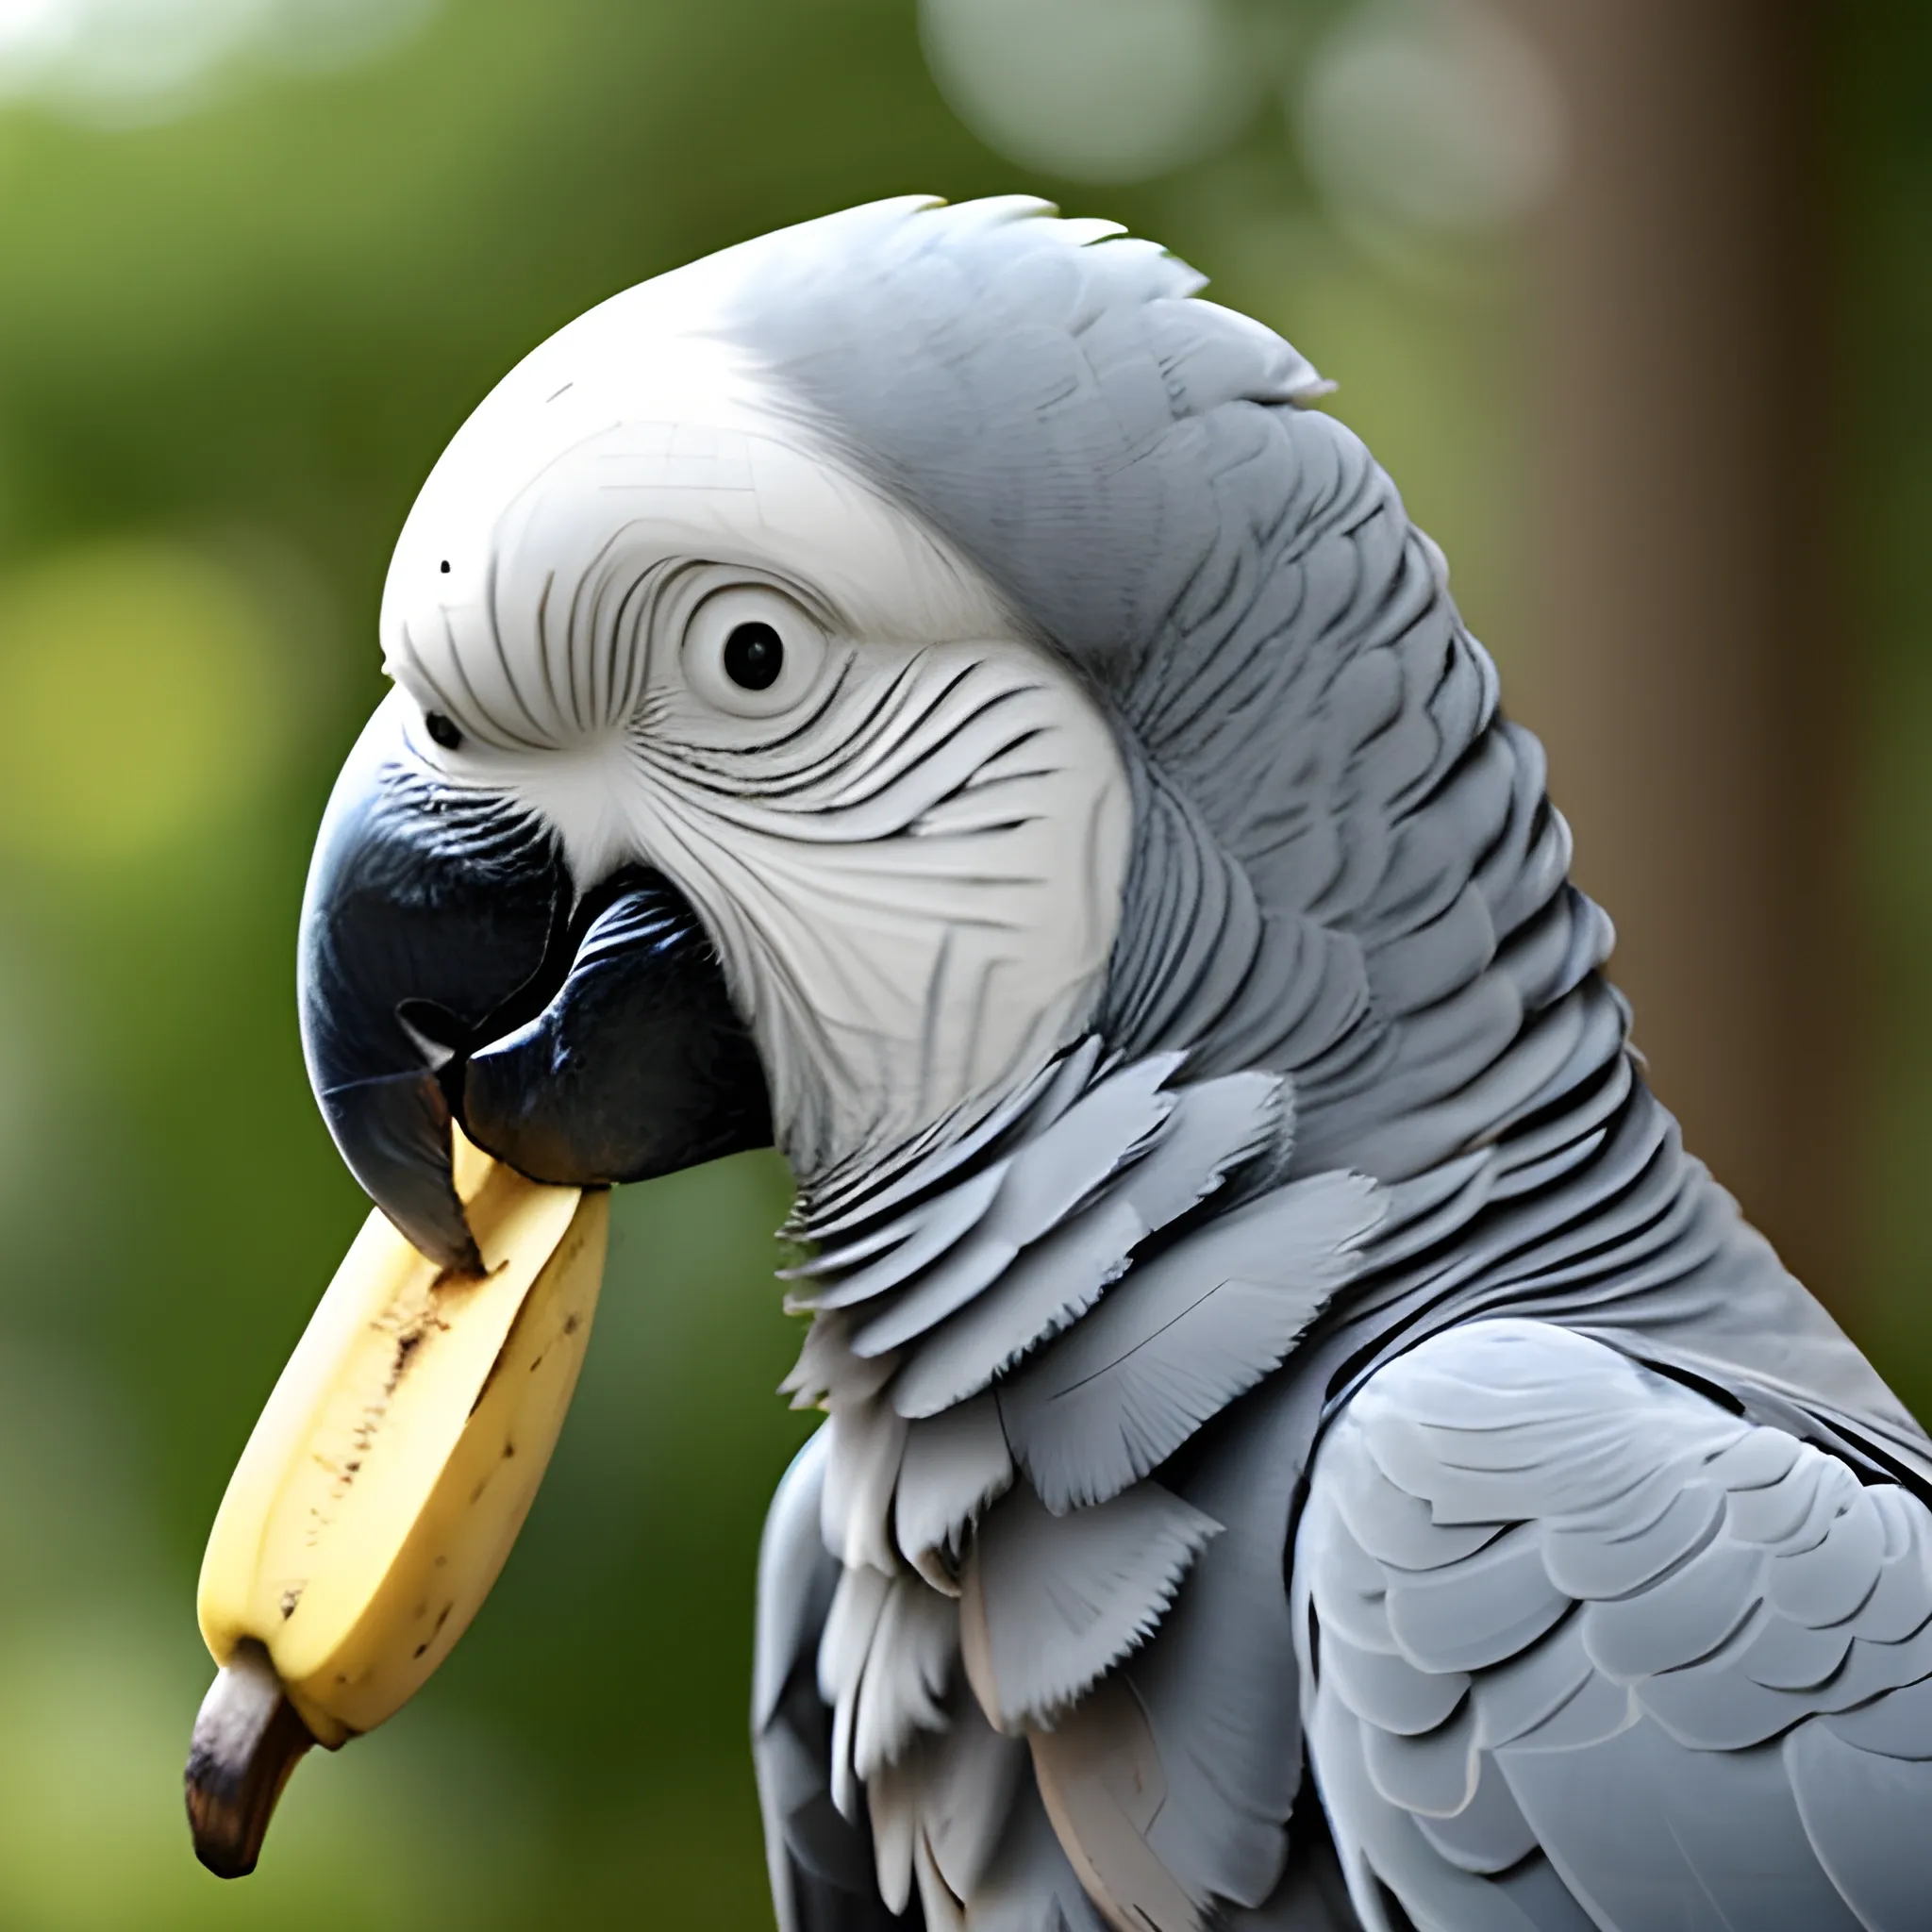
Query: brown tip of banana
{"x": 247, "y": 1737}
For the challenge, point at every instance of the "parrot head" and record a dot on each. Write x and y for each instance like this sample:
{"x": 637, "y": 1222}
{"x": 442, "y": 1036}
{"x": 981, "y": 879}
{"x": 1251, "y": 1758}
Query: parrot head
{"x": 736, "y": 786}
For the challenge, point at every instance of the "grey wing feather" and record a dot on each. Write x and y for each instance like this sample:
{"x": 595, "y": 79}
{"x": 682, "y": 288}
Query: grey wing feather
{"x": 1044, "y": 1180}
{"x": 1581, "y": 1648}
{"x": 1050, "y": 1603}
{"x": 940, "y": 1812}
{"x": 1048, "y": 1286}
{"x": 1216, "y": 1125}
{"x": 1186, "y": 1764}
{"x": 1313, "y": 1895}
{"x": 1039, "y": 1259}
{"x": 954, "y": 1464}
{"x": 1182, "y": 1337}
{"x": 821, "y": 1864}
{"x": 884, "y": 1664}
{"x": 1218, "y": 1682}
{"x": 1029, "y": 1886}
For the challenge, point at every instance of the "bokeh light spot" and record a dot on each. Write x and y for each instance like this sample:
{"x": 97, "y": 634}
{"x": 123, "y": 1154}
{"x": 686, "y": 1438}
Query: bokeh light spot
{"x": 130, "y": 62}
{"x": 1431, "y": 115}
{"x": 1094, "y": 90}
{"x": 139, "y": 701}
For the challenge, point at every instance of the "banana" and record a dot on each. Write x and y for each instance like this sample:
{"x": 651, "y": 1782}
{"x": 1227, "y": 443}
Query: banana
{"x": 383, "y": 1486}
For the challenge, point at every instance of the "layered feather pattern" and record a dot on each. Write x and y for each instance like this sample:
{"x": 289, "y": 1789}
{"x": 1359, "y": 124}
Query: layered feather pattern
{"x": 1529, "y": 1569}
{"x": 1028, "y": 1495}
{"x": 1032, "y": 1229}
{"x": 1407, "y": 1103}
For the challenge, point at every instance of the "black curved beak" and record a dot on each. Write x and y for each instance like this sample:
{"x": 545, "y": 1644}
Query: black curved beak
{"x": 637, "y": 1065}
{"x": 446, "y": 969}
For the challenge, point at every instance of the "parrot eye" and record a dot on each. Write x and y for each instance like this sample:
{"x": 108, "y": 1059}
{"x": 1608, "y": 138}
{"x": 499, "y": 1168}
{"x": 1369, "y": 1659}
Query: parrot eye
{"x": 752, "y": 652}
{"x": 442, "y": 731}
{"x": 754, "y": 655}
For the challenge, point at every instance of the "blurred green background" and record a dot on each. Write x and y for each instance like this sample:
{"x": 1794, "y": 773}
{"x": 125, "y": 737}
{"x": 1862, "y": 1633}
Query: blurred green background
{"x": 257, "y": 259}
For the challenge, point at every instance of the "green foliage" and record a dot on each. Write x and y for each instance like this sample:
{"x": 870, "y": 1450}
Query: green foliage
{"x": 1883, "y": 477}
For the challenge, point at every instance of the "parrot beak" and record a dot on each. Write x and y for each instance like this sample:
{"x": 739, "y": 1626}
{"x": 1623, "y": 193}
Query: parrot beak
{"x": 636, "y": 1066}
{"x": 448, "y": 971}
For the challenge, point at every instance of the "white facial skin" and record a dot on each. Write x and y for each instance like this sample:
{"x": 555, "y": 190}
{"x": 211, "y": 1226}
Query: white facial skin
{"x": 908, "y": 844}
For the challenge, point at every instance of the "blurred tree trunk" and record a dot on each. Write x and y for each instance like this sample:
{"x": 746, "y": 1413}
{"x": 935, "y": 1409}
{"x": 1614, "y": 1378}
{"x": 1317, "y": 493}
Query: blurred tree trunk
{"x": 1690, "y": 661}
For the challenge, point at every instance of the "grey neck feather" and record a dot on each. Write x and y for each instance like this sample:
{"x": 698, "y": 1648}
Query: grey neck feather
{"x": 1348, "y": 884}
{"x": 1356, "y": 1075}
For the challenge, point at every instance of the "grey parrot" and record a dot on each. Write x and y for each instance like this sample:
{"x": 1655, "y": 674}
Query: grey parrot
{"x": 1305, "y": 1446}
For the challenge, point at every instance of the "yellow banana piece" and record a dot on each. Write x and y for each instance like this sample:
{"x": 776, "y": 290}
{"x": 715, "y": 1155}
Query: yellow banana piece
{"x": 383, "y": 1487}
